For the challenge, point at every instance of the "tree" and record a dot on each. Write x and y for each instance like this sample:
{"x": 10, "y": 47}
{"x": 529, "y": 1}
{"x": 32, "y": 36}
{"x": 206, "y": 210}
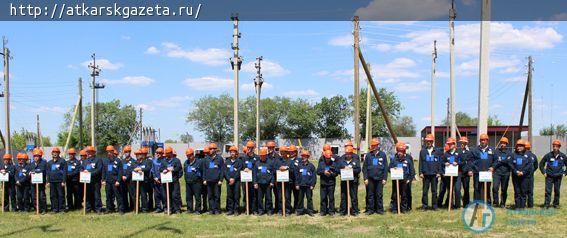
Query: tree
{"x": 405, "y": 127}
{"x": 300, "y": 120}
{"x": 332, "y": 115}
{"x": 20, "y": 139}
{"x": 170, "y": 141}
{"x": 391, "y": 103}
{"x": 115, "y": 125}
{"x": 464, "y": 119}
{"x": 213, "y": 116}
{"x": 186, "y": 138}
{"x": 557, "y": 130}
{"x": 273, "y": 113}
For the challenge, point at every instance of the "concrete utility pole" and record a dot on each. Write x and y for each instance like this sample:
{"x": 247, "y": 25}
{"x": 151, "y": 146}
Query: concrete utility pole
{"x": 258, "y": 81}
{"x": 484, "y": 74}
{"x": 94, "y": 86}
{"x": 39, "y": 139}
{"x": 452, "y": 16}
{"x": 80, "y": 113}
{"x": 368, "y": 114}
{"x": 6, "y": 54}
{"x": 530, "y": 70}
{"x": 141, "y": 126}
{"x": 433, "y": 68}
{"x": 356, "y": 34}
{"x": 235, "y": 62}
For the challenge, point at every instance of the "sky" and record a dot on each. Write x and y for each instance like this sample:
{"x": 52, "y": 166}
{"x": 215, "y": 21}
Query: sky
{"x": 164, "y": 67}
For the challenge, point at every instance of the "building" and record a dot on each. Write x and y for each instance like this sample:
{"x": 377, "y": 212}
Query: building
{"x": 494, "y": 132}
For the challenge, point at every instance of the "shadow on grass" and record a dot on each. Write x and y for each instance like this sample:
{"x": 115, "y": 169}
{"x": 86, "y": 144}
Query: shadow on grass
{"x": 42, "y": 228}
{"x": 159, "y": 227}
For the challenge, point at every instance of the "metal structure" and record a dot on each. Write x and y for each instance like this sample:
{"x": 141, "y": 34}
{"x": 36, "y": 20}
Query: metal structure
{"x": 235, "y": 62}
{"x": 258, "y": 81}
{"x": 433, "y": 71}
{"x": 452, "y": 116}
{"x": 6, "y": 94}
{"x": 484, "y": 71}
{"x": 356, "y": 34}
{"x": 368, "y": 131}
{"x": 94, "y": 86}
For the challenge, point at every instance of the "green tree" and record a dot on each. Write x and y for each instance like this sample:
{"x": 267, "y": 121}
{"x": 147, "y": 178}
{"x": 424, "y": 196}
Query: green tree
{"x": 213, "y": 116}
{"x": 19, "y": 139}
{"x": 391, "y": 103}
{"x": 300, "y": 121}
{"x": 273, "y": 113}
{"x": 186, "y": 138}
{"x": 170, "y": 141}
{"x": 405, "y": 127}
{"x": 115, "y": 125}
{"x": 332, "y": 115}
{"x": 464, "y": 119}
{"x": 557, "y": 130}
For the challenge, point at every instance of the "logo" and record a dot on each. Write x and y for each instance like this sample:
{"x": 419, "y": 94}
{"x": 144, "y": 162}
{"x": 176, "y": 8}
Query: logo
{"x": 478, "y": 216}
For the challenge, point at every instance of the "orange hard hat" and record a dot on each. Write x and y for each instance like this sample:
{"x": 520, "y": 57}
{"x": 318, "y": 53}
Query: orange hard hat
{"x": 349, "y": 150}
{"x": 82, "y": 152}
{"x": 446, "y": 148}
{"x": 7, "y": 156}
{"x": 127, "y": 149}
{"x": 26, "y": 156}
{"x": 450, "y": 140}
{"x": 326, "y": 147}
{"x": 528, "y": 145}
{"x": 292, "y": 148}
{"x": 348, "y": 143}
{"x": 244, "y": 149}
{"x": 271, "y": 144}
{"x": 250, "y": 143}
{"x": 464, "y": 139}
{"x": 327, "y": 154}
{"x": 115, "y": 152}
{"x": 159, "y": 150}
{"x": 37, "y": 152}
{"x": 189, "y": 151}
{"x": 233, "y": 148}
{"x": 55, "y": 150}
{"x": 484, "y": 137}
{"x": 19, "y": 156}
{"x": 138, "y": 152}
{"x": 90, "y": 148}
{"x": 72, "y": 151}
{"x": 504, "y": 140}
{"x": 305, "y": 153}
{"x": 109, "y": 148}
{"x": 168, "y": 150}
{"x": 556, "y": 142}
{"x": 206, "y": 150}
{"x": 213, "y": 146}
{"x": 521, "y": 142}
{"x": 374, "y": 142}
{"x": 429, "y": 137}
{"x": 263, "y": 151}
{"x": 400, "y": 147}
{"x": 283, "y": 148}
{"x": 144, "y": 150}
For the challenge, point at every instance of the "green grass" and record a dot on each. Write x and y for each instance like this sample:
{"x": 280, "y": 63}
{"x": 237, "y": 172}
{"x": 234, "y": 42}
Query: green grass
{"x": 418, "y": 223}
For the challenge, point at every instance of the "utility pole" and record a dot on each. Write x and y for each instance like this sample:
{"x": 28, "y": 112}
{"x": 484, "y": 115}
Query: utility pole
{"x": 80, "y": 113}
{"x": 6, "y": 95}
{"x": 141, "y": 126}
{"x": 258, "y": 81}
{"x": 356, "y": 34}
{"x": 94, "y": 86}
{"x": 39, "y": 139}
{"x": 433, "y": 68}
{"x": 484, "y": 74}
{"x": 530, "y": 69}
{"x": 368, "y": 114}
{"x": 235, "y": 62}
{"x": 448, "y": 116}
{"x": 452, "y": 16}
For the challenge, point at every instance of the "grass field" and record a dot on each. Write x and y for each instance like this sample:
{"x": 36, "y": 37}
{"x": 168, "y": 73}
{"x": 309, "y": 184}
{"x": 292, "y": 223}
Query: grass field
{"x": 417, "y": 223}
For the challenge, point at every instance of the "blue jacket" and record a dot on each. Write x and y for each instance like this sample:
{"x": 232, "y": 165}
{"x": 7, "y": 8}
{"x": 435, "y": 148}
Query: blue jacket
{"x": 146, "y": 167}
{"x": 127, "y": 166}
{"x": 533, "y": 159}
{"x": 21, "y": 174}
{"x": 430, "y": 163}
{"x": 521, "y": 163}
{"x": 232, "y": 169}
{"x": 40, "y": 167}
{"x": 249, "y": 161}
{"x": 305, "y": 175}
{"x": 73, "y": 170}
{"x": 482, "y": 159}
{"x": 290, "y": 167}
{"x": 57, "y": 171}
{"x": 406, "y": 164}
{"x": 327, "y": 165}
{"x": 193, "y": 171}
{"x": 467, "y": 159}
{"x": 553, "y": 164}
{"x": 212, "y": 170}
{"x": 156, "y": 164}
{"x": 112, "y": 170}
{"x": 502, "y": 162}
{"x": 94, "y": 166}
{"x": 175, "y": 164}
{"x": 451, "y": 158}
{"x": 354, "y": 164}
{"x": 11, "y": 170}
{"x": 375, "y": 166}
{"x": 264, "y": 172}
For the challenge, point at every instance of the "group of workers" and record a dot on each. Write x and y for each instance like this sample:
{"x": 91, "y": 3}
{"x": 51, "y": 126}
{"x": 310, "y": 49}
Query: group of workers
{"x": 254, "y": 176}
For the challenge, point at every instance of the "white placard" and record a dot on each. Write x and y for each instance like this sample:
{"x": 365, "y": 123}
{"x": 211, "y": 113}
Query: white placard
{"x": 4, "y": 177}
{"x": 138, "y": 176}
{"x": 167, "y": 177}
{"x": 485, "y": 176}
{"x": 282, "y": 176}
{"x": 347, "y": 175}
{"x": 396, "y": 174}
{"x": 85, "y": 177}
{"x": 245, "y": 176}
{"x": 452, "y": 170}
{"x": 37, "y": 178}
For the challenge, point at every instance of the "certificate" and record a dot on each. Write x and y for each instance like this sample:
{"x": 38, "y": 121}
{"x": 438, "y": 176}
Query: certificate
{"x": 37, "y": 178}
{"x": 4, "y": 177}
{"x": 167, "y": 177}
{"x": 137, "y": 176}
{"x": 282, "y": 176}
{"x": 485, "y": 176}
{"x": 245, "y": 176}
{"x": 347, "y": 175}
{"x": 396, "y": 174}
{"x": 85, "y": 177}
{"x": 452, "y": 170}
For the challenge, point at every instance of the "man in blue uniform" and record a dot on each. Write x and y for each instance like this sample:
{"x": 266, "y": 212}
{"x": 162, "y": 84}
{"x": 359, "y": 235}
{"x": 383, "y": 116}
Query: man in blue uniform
{"x": 294, "y": 163}
{"x": 451, "y": 158}
{"x": 328, "y": 173}
{"x": 249, "y": 160}
{"x": 231, "y": 173}
{"x": 483, "y": 160}
{"x": 402, "y": 161}
{"x": 128, "y": 192}
{"x": 9, "y": 190}
{"x": 552, "y": 166}
{"x": 264, "y": 179}
{"x": 22, "y": 183}
{"x": 193, "y": 170}
{"x": 112, "y": 172}
{"x": 521, "y": 167}
{"x": 171, "y": 164}
{"x": 38, "y": 166}
{"x": 429, "y": 171}
{"x": 285, "y": 164}
{"x": 212, "y": 176}
{"x": 501, "y": 177}
{"x": 375, "y": 172}
{"x": 467, "y": 173}
{"x": 159, "y": 193}
{"x": 348, "y": 161}
{"x": 72, "y": 182}
{"x": 144, "y": 165}
{"x": 56, "y": 177}
{"x": 533, "y": 159}
{"x": 93, "y": 166}
{"x": 305, "y": 183}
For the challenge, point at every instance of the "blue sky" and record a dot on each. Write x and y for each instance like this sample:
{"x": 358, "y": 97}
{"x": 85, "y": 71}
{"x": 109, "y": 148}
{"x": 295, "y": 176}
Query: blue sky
{"x": 164, "y": 66}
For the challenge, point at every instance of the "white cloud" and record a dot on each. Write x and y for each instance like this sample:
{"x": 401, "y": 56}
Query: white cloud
{"x": 505, "y": 65}
{"x": 145, "y": 107}
{"x": 130, "y": 80}
{"x": 302, "y": 93}
{"x": 404, "y": 9}
{"x": 391, "y": 72}
{"x": 382, "y": 47}
{"x": 152, "y": 50}
{"x": 340, "y": 75}
{"x": 208, "y": 83}
{"x": 411, "y": 87}
{"x": 170, "y": 102}
{"x": 46, "y": 109}
{"x": 251, "y": 87}
{"x": 104, "y": 64}
{"x": 269, "y": 68}
{"x": 70, "y": 66}
{"x": 126, "y": 37}
{"x": 210, "y": 56}
{"x": 346, "y": 40}
{"x": 515, "y": 79}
